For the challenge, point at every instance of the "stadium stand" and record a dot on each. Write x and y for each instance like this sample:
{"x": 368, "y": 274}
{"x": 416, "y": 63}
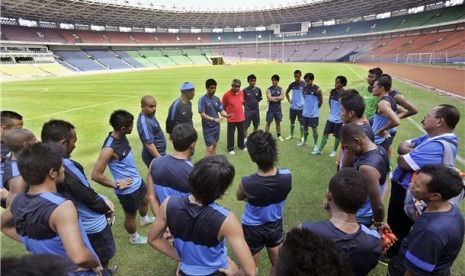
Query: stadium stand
{"x": 128, "y": 58}
{"x": 437, "y": 33}
{"x": 80, "y": 60}
{"x": 109, "y": 59}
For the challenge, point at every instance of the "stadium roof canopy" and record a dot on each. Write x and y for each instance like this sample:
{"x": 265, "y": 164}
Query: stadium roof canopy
{"x": 146, "y": 14}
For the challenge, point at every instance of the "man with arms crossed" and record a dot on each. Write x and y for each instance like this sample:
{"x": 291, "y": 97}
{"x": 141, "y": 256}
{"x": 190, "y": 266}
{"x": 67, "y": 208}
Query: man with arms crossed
{"x": 252, "y": 96}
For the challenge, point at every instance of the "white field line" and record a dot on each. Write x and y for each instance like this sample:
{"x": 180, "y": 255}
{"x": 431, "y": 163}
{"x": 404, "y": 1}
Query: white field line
{"x": 75, "y": 109}
{"x": 417, "y": 125}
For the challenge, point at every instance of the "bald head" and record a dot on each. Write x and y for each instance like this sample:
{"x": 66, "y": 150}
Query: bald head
{"x": 18, "y": 139}
{"x": 148, "y": 105}
{"x": 146, "y": 99}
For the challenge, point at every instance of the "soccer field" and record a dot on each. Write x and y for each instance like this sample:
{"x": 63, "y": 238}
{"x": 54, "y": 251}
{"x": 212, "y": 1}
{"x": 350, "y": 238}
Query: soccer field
{"x": 87, "y": 102}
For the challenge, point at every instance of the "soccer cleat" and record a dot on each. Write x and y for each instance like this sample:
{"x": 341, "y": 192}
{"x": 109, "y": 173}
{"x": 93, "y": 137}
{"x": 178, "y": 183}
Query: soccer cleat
{"x": 112, "y": 269}
{"x": 316, "y": 152}
{"x": 146, "y": 222}
{"x": 301, "y": 144}
{"x": 332, "y": 154}
{"x": 139, "y": 240}
{"x": 289, "y": 137}
{"x": 232, "y": 152}
{"x": 244, "y": 149}
{"x": 383, "y": 259}
{"x": 315, "y": 148}
{"x": 281, "y": 138}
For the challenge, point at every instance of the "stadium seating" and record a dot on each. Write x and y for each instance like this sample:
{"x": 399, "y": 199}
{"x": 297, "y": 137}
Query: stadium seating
{"x": 109, "y": 59}
{"x": 79, "y": 60}
{"x": 129, "y": 59}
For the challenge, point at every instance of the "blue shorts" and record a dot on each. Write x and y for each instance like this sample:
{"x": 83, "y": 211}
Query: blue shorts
{"x": 333, "y": 128}
{"x": 270, "y": 234}
{"x": 211, "y": 135}
{"x": 132, "y": 201}
{"x": 310, "y": 122}
{"x": 295, "y": 114}
{"x": 277, "y": 116}
{"x": 252, "y": 116}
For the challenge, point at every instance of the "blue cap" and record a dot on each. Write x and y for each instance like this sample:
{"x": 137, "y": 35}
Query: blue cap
{"x": 187, "y": 86}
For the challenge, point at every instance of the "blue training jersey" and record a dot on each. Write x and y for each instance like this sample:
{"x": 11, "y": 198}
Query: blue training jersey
{"x": 195, "y": 230}
{"x": 150, "y": 132}
{"x": 170, "y": 177}
{"x": 125, "y": 166}
{"x": 10, "y": 171}
{"x": 297, "y": 97}
{"x": 275, "y": 92}
{"x": 380, "y": 121}
{"x": 379, "y": 160}
{"x": 362, "y": 248}
{"x": 251, "y": 98}
{"x": 311, "y": 109}
{"x": 334, "y": 107}
{"x": 266, "y": 196}
{"x": 93, "y": 222}
{"x": 32, "y": 214}
{"x": 210, "y": 106}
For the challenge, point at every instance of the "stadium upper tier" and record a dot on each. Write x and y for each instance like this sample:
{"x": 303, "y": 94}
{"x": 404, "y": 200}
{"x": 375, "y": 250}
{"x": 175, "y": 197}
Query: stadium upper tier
{"x": 145, "y": 14}
{"x": 60, "y": 36}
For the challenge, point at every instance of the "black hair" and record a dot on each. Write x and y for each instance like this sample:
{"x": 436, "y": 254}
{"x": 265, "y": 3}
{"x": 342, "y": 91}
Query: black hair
{"x": 385, "y": 81}
{"x": 450, "y": 114}
{"x": 305, "y": 253}
{"x": 309, "y": 76}
{"x": 352, "y": 101}
{"x": 342, "y": 79}
{"x": 56, "y": 130}
{"x": 349, "y": 190}
{"x": 275, "y": 77}
{"x": 262, "y": 149}
{"x": 350, "y": 131}
{"x": 376, "y": 71}
{"x": 121, "y": 118}
{"x": 36, "y": 161}
{"x": 298, "y": 72}
{"x": 37, "y": 265}
{"x": 210, "y": 82}
{"x": 251, "y": 77}
{"x": 7, "y": 117}
{"x": 210, "y": 178}
{"x": 444, "y": 180}
{"x": 183, "y": 136}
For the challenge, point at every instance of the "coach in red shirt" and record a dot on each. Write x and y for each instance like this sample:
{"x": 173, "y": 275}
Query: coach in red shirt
{"x": 233, "y": 103}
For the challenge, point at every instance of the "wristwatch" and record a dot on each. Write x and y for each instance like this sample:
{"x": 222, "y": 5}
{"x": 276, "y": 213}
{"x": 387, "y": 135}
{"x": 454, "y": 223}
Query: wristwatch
{"x": 117, "y": 185}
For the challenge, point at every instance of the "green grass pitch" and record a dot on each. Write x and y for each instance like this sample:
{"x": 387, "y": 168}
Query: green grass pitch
{"x": 87, "y": 102}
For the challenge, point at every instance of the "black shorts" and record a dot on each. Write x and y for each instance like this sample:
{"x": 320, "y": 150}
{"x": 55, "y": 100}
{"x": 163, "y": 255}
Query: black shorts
{"x": 252, "y": 116}
{"x": 333, "y": 128}
{"x": 103, "y": 244}
{"x": 270, "y": 234}
{"x": 385, "y": 144}
{"x": 132, "y": 201}
{"x": 277, "y": 116}
{"x": 310, "y": 122}
{"x": 211, "y": 135}
{"x": 295, "y": 114}
{"x": 216, "y": 273}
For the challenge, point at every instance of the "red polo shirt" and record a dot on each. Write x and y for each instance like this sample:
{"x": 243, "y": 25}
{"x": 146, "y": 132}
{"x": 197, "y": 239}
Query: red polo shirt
{"x": 234, "y": 104}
